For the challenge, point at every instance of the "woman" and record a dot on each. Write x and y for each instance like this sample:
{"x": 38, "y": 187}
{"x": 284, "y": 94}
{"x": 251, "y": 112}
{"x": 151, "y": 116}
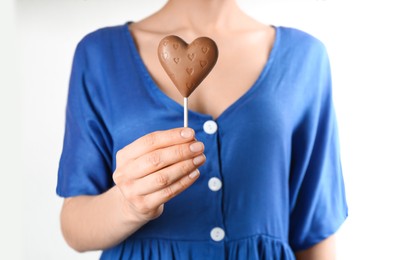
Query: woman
{"x": 269, "y": 184}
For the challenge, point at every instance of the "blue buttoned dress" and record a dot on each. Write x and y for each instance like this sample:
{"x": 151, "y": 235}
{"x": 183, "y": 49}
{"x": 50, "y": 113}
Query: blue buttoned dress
{"x": 272, "y": 183}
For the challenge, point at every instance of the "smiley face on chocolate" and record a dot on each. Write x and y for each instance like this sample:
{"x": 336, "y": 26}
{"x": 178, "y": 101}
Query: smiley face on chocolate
{"x": 187, "y": 65}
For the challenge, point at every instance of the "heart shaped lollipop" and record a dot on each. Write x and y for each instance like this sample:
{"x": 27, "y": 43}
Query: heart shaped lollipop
{"x": 187, "y": 65}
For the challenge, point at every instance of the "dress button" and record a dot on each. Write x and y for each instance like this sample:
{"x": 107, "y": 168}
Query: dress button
{"x": 217, "y": 234}
{"x": 210, "y": 127}
{"x": 214, "y": 184}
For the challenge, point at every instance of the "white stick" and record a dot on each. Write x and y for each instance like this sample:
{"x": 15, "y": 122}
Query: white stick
{"x": 185, "y": 112}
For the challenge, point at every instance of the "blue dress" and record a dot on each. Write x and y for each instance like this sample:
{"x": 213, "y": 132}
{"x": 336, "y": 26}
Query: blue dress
{"x": 272, "y": 183}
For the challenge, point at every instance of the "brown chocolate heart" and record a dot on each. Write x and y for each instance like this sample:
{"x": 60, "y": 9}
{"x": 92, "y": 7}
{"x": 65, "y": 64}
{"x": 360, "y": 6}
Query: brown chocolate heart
{"x": 187, "y": 64}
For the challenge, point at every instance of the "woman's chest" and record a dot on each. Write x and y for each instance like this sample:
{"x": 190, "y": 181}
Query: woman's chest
{"x": 238, "y": 67}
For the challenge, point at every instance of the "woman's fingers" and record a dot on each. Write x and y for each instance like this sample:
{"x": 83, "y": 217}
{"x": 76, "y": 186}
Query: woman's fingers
{"x": 162, "y": 158}
{"x": 167, "y": 176}
{"x": 155, "y": 141}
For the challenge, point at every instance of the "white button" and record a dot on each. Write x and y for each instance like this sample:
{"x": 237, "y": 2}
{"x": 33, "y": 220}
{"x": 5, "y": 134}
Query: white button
{"x": 217, "y": 234}
{"x": 214, "y": 184}
{"x": 210, "y": 127}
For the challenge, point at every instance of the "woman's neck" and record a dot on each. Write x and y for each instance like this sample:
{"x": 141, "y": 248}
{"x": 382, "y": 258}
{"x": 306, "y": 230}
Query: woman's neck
{"x": 198, "y": 16}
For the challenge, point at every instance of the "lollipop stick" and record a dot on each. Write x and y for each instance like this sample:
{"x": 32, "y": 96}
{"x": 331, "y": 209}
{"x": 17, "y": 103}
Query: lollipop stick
{"x": 185, "y": 112}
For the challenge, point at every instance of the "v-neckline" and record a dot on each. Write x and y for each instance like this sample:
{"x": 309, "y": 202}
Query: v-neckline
{"x": 148, "y": 80}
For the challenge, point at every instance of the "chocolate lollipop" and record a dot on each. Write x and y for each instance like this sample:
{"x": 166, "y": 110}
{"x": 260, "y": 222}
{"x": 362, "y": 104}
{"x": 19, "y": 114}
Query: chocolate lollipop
{"x": 187, "y": 65}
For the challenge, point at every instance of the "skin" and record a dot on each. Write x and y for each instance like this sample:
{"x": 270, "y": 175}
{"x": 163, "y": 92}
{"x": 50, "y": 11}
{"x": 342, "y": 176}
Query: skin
{"x": 157, "y": 167}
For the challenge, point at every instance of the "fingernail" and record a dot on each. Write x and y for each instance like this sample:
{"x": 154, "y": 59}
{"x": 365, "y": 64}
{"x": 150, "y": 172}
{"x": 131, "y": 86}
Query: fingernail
{"x": 187, "y": 133}
{"x": 193, "y": 174}
{"x": 196, "y": 147}
{"x": 199, "y": 159}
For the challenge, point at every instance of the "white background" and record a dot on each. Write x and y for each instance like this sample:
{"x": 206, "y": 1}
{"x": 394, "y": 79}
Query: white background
{"x": 37, "y": 41}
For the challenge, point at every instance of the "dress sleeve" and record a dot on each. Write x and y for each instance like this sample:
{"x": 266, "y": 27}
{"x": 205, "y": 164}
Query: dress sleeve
{"x": 85, "y": 163}
{"x": 317, "y": 196}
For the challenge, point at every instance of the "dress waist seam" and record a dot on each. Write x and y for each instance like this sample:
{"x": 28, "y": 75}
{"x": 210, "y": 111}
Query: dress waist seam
{"x": 227, "y": 240}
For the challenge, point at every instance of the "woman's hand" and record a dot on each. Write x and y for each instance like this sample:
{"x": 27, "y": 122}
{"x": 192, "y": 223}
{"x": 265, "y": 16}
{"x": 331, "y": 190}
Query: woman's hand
{"x": 155, "y": 168}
